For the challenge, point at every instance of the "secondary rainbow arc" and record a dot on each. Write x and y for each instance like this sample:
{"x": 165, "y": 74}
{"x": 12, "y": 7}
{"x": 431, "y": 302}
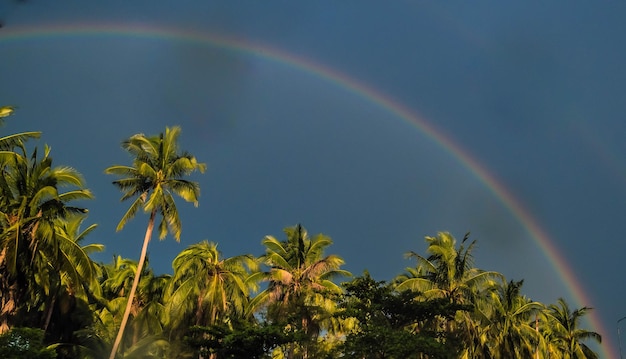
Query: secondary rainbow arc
{"x": 365, "y": 91}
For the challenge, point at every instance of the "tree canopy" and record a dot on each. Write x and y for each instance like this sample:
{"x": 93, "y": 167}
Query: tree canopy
{"x": 294, "y": 301}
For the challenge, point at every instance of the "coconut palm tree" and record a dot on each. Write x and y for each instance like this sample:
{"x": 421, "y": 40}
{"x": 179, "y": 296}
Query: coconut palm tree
{"x": 147, "y": 313}
{"x": 207, "y": 288}
{"x": 510, "y": 326}
{"x": 564, "y": 328}
{"x": 157, "y": 173}
{"x": 300, "y": 279}
{"x": 31, "y": 206}
{"x": 449, "y": 273}
{"x": 73, "y": 275}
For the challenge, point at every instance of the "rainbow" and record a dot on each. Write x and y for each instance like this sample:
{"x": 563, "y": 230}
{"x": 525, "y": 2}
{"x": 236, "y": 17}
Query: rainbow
{"x": 346, "y": 82}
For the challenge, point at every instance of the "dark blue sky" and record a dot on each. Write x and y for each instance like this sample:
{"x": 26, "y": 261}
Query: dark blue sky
{"x": 535, "y": 92}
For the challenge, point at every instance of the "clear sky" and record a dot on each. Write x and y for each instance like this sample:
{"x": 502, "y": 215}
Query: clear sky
{"x": 265, "y": 94}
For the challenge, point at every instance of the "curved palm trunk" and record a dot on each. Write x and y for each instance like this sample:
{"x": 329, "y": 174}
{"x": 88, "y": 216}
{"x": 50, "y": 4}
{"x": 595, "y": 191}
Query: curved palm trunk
{"x": 133, "y": 289}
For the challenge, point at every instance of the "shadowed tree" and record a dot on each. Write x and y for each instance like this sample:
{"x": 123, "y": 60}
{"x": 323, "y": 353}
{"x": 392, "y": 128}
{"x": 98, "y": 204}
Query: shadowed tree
{"x": 25, "y": 343}
{"x": 156, "y": 175}
{"x": 32, "y": 248}
{"x": 390, "y": 322}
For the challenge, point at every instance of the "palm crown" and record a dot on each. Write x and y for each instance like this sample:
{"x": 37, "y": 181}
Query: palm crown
{"x": 156, "y": 174}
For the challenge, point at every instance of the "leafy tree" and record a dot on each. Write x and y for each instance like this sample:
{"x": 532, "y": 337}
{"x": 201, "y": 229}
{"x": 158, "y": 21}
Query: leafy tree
{"x": 25, "y": 343}
{"x": 242, "y": 339}
{"x": 390, "y": 322}
{"x": 155, "y": 176}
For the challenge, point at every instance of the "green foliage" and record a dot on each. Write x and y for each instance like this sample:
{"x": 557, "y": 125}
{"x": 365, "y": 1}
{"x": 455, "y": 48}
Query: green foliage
{"x": 25, "y": 343}
{"x": 157, "y": 173}
{"x": 388, "y": 322}
{"x": 242, "y": 340}
{"x": 443, "y": 307}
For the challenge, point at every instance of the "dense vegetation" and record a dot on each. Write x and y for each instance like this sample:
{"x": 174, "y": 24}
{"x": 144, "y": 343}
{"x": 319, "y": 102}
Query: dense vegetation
{"x": 295, "y": 301}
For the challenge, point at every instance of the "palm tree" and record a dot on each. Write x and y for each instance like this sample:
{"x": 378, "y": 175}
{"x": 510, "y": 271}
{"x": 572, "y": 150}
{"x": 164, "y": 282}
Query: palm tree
{"x": 73, "y": 274}
{"x": 564, "y": 328}
{"x": 155, "y": 176}
{"x": 208, "y": 290}
{"x": 71, "y": 286}
{"x": 209, "y": 287}
{"x": 300, "y": 280}
{"x": 449, "y": 273}
{"x": 147, "y": 311}
{"x": 31, "y": 207}
{"x": 510, "y": 327}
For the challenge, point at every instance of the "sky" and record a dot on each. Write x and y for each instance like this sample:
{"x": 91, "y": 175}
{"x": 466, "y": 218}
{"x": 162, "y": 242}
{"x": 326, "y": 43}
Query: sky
{"x": 375, "y": 123}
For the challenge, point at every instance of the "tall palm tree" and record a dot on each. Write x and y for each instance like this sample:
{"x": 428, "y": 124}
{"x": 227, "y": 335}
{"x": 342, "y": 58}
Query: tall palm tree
{"x": 31, "y": 206}
{"x": 152, "y": 180}
{"x": 300, "y": 280}
{"x": 564, "y": 327}
{"x": 208, "y": 287}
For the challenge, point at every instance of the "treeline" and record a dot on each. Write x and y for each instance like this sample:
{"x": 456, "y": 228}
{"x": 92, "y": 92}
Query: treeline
{"x": 294, "y": 301}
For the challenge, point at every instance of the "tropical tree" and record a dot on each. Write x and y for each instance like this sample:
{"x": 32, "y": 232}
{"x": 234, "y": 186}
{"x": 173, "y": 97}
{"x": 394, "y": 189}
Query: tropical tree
{"x": 509, "y": 326}
{"x": 563, "y": 327}
{"x": 71, "y": 286}
{"x": 390, "y": 322}
{"x": 157, "y": 173}
{"x": 207, "y": 288}
{"x": 449, "y": 273}
{"x": 32, "y": 248}
{"x": 73, "y": 275}
{"x": 147, "y": 314}
{"x": 301, "y": 288}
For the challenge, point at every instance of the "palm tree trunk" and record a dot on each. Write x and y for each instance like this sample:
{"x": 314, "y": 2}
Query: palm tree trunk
{"x": 133, "y": 289}
{"x": 49, "y": 314}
